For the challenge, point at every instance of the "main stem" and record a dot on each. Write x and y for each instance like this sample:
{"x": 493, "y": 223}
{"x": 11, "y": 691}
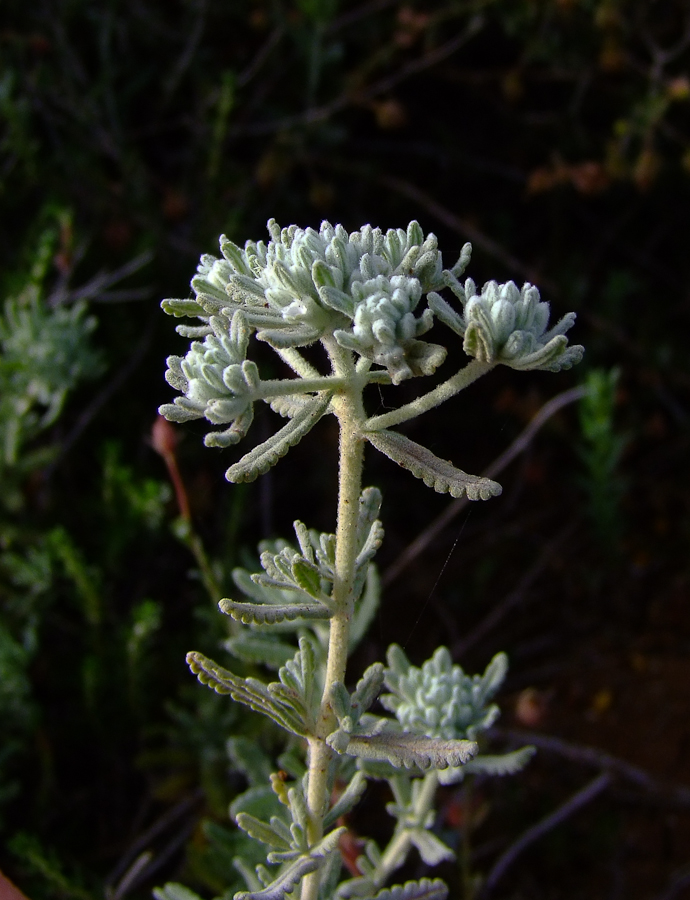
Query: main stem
{"x": 349, "y": 410}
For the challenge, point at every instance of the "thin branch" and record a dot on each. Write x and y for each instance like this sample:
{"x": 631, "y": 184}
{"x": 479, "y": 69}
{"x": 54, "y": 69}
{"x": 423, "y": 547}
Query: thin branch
{"x": 464, "y": 228}
{"x": 678, "y": 881}
{"x": 599, "y": 759}
{"x": 262, "y": 55}
{"x": 355, "y": 15}
{"x": 144, "y": 840}
{"x": 322, "y": 113}
{"x": 521, "y": 442}
{"x": 96, "y": 288}
{"x": 533, "y": 834}
{"x": 515, "y": 596}
{"x": 112, "y": 386}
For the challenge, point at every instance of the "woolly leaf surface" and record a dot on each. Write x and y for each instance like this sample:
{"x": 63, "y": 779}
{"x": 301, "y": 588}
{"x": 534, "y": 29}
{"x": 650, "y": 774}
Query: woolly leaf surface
{"x": 263, "y": 614}
{"x": 437, "y": 473}
{"x": 408, "y": 750}
{"x": 261, "y": 458}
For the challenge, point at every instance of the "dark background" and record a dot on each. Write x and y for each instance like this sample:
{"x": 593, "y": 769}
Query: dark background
{"x": 553, "y": 134}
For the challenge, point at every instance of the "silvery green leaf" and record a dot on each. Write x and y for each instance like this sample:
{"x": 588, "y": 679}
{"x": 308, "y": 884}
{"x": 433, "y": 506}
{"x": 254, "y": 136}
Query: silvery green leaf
{"x": 260, "y": 831}
{"x": 249, "y": 759}
{"x": 285, "y": 882}
{"x": 174, "y": 891}
{"x": 234, "y": 433}
{"x": 329, "y": 876}
{"x": 493, "y": 677}
{"x": 409, "y": 750}
{"x": 174, "y": 374}
{"x": 398, "y": 663}
{"x": 175, "y": 412}
{"x": 337, "y": 300}
{"x": 478, "y": 341}
{"x": 369, "y": 508}
{"x": 248, "y": 691}
{"x": 434, "y": 472}
{"x": 288, "y": 406}
{"x": 281, "y": 338}
{"x": 498, "y": 765}
{"x": 193, "y": 331}
{"x": 367, "y": 690}
{"x": 260, "y": 648}
{"x": 340, "y": 700}
{"x": 445, "y": 313}
{"x": 234, "y": 255}
{"x": 347, "y": 801}
{"x": 261, "y": 458}
{"x": 265, "y": 614}
{"x": 366, "y": 606}
{"x": 463, "y": 260}
{"x": 432, "y": 850}
{"x": 298, "y": 810}
{"x": 426, "y": 889}
{"x": 307, "y": 576}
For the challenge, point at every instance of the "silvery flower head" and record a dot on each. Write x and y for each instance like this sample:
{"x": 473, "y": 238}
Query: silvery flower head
{"x": 305, "y": 284}
{"x": 385, "y": 328}
{"x": 505, "y": 325}
{"x": 439, "y": 700}
{"x": 217, "y": 381}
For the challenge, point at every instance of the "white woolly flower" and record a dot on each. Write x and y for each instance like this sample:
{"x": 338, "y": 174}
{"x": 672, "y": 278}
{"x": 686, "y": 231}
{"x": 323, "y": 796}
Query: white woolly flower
{"x": 306, "y": 284}
{"x": 385, "y": 328}
{"x": 505, "y": 325}
{"x": 217, "y": 381}
{"x": 440, "y": 700}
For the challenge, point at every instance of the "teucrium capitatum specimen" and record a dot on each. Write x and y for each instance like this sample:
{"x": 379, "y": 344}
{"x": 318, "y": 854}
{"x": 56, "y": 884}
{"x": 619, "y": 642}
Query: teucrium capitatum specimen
{"x": 361, "y": 296}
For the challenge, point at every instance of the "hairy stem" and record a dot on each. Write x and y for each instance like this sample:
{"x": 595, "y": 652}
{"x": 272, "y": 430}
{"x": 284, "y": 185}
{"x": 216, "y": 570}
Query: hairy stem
{"x": 350, "y": 413}
{"x": 297, "y": 362}
{"x": 283, "y": 387}
{"x": 396, "y": 852}
{"x": 471, "y": 372}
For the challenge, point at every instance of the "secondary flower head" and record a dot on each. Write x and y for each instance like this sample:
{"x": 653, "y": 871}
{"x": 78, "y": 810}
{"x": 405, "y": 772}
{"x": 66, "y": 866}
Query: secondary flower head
{"x": 217, "y": 381}
{"x": 440, "y": 700}
{"x": 502, "y": 324}
{"x": 304, "y": 285}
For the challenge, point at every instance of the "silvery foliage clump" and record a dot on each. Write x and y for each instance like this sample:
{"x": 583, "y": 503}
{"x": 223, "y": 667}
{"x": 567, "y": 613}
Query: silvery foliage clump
{"x": 361, "y": 296}
{"x": 45, "y": 352}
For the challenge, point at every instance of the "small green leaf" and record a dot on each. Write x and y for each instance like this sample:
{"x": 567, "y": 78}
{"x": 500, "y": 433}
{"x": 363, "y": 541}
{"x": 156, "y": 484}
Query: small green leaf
{"x": 307, "y": 576}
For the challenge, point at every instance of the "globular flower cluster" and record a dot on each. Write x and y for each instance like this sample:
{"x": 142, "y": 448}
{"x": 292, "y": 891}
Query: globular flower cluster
{"x": 502, "y": 324}
{"x": 440, "y": 700}
{"x": 385, "y": 328}
{"x": 217, "y": 380}
{"x": 361, "y": 287}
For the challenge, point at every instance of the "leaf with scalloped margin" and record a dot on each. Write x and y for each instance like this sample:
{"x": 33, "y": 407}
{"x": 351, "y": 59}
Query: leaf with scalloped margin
{"x": 437, "y": 473}
{"x": 261, "y": 458}
{"x": 263, "y": 614}
{"x": 405, "y": 750}
{"x": 425, "y": 889}
{"x": 249, "y": 691}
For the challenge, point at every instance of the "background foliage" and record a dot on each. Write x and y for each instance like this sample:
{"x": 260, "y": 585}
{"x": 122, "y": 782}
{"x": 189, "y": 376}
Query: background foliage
{"x": 553, "y": 134}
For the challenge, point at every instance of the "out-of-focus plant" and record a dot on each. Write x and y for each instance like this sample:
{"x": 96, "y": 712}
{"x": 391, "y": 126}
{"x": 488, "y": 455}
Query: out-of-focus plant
{"x": 600, "y": 449}
{"x": 358, "y": 295}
